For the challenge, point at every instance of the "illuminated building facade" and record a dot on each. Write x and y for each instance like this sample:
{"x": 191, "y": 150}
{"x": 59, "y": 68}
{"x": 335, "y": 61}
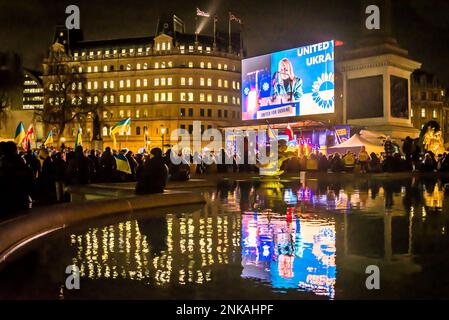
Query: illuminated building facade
{"x": 429, "y": 102}
{"x": 162, "y": 83}
{"x": 33, "y": 93}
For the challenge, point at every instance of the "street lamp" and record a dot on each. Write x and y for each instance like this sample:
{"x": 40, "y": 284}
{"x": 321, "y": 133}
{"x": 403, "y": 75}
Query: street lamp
{"x": 162, "y": 136}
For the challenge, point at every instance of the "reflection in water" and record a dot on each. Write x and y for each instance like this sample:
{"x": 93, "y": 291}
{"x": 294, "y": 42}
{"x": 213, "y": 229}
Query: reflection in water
{"x": 289, "y": 251}
{"x": 263, "y": 239}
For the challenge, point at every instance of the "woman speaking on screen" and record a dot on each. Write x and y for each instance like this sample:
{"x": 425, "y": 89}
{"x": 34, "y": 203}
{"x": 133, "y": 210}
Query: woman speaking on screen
{"x": 285, "y": 84}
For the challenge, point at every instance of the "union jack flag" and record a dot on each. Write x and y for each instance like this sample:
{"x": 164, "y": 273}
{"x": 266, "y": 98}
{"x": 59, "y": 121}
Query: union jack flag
{"x": 234, "y": 18}
{"x": 202, "y": 13}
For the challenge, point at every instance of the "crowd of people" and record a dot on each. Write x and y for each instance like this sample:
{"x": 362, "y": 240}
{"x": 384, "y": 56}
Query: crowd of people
{"x": 40, "y": 176}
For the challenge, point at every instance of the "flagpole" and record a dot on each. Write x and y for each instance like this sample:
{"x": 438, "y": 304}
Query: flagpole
{"x": 215, "y": 32}
{"x": 241, "y": 39}
{"x": 196, "y": 30}
{"x": 229, "y": 29}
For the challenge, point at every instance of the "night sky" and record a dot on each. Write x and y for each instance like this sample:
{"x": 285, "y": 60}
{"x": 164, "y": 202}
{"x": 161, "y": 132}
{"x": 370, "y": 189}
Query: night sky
{"x": 421, "y": 26}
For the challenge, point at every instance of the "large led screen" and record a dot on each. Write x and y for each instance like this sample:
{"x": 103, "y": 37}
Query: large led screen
{"x": 289, "y": 83}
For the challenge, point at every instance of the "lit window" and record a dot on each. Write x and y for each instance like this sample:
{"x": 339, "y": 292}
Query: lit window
{"x": 169, "y": 96}
{"x": 128, "y": 98}
{"x": 209, "y": 65}
{"x": 111, "y": 84}
{"x": 128, "y": 113}
{"x": 190, "y": 48}
{"x": 208, "y": 49}
{"x": 202, "y": 97}
{"x": 138, "y": 83}
{"x": 163, "y": 96}
{"x": 182, "y": 49}
{"x": 201, "y": 81}
{"x": 105, "y": 131}
{"x": 170, "y": 64}
{"x": 233, "y": 84}
{"x": 225, "y": 67}
{"x": 138, "y": 66}
{"x": 122, "y": 83}
{"x": 80, "y": 69}
{"x": 200, "y": 48}
{"x": 162, "y": 81}
{"x": 89, "y": 85}
{"x": 190, "y": 64}
{"x": 158, "y": 46}
{"x": 220, "y": 83}
{"x": 145, "y": 97}
{"x": 138, "y": 98}
{"x": 95, "y": 68}
{"x": 209, "y": 98}
{"x": 89, "y": 69}
{"x": 219, "y": 66}
{"x": 122, "y": 113}
{"x": 190, "y": 81}
{"x": 156, "y": 81}
{"x": 226, "y": 83}
{"x": 156, "y": 97}
{"x": 202, "y": 65}
{"x": 145, "y": 66}
{"x": 238, "y": 85}
{"x": 105, "y": 114}
{"x": 105, "y": 68}
{"x": 111, "y": 98}
{"x": 164, "y": 46}
{"x": 434, "y": 113}
{"x": 169, "y": 81}
{"x": 182, "y": 96}
{"x": 190, "y": 96}
{"x": 128, "y": 83}
{"x": 209, "y": 82}
{"x": 423, "y": 112}
{"x": 219, "y": 99}
{"x": 156, "y": 65}
{"x": 122, "y": 98}
{"x": 233, "y": 100}
{"x": 183, "y": 81}
{"x": 105, "y": 84}
{"x": 145, "y": 82}
{"x": 137, "y": 113}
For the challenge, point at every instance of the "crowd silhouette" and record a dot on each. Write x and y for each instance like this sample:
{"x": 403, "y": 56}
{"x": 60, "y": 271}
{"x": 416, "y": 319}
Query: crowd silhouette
{"x": 39, "y": 177}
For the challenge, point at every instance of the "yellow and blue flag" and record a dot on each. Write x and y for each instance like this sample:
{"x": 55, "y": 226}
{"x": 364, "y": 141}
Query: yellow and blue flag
{"x": 122, "y": 163}
{"x": 122, "y": 126}
{"x": 78, "y": 140}
{"x": 20, "y": 134}
{"x": 49, "y": 139}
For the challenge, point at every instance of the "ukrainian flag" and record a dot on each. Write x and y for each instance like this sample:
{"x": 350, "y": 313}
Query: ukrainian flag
{"x": 122, "y": 163}
{"x": 49, "y": 139}
{"x": 122, "y": 126}
{"x": 78, "y": 140}
{"x": 20, "y": 134}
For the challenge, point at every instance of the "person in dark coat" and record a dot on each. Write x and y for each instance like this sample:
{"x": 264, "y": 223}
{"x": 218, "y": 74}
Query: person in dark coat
{"x": 78, "y": 168}
{"x": 108, "y": 165}
{"x": 153, "y": 176}
{"x": 17, "y": 181}
{"x": 59, "y": 167}
{"x": 94, "y": 166}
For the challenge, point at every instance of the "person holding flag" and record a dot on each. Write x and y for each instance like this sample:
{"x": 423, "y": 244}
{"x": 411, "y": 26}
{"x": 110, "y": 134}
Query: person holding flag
{"x": 20, "y": 134}
{"x": 121, "y": 127}
{"x": 27, "y": 140}
{"x": 78, "y": 139}
{"x": 49, "y": 139}
{"x": 122, "y": 163}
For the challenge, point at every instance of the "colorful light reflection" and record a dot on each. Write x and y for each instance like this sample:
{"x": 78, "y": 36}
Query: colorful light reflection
{"x": 290, "y": 252}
